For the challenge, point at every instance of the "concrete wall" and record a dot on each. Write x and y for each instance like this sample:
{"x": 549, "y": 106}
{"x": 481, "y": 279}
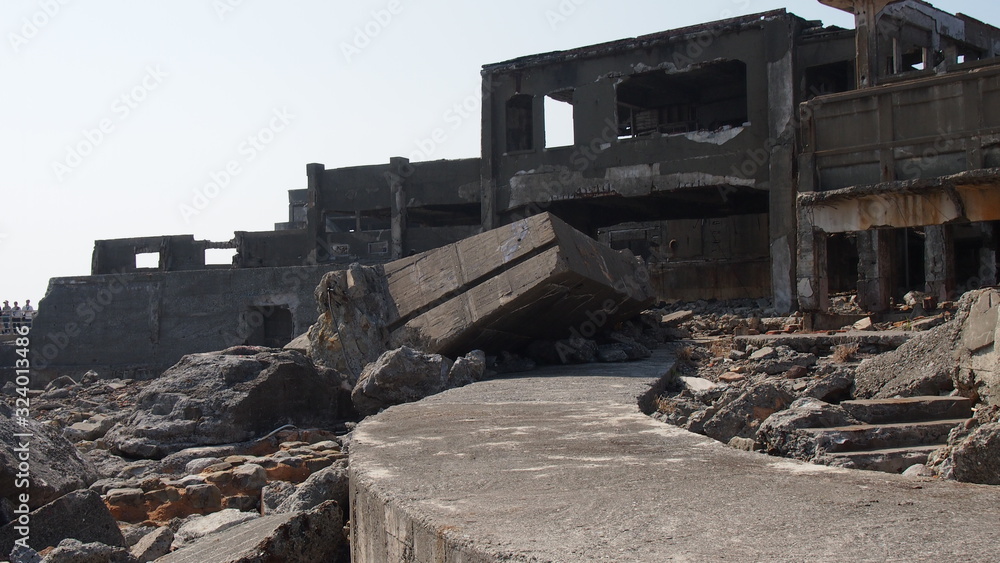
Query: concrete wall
{"x": 138, "y": 324}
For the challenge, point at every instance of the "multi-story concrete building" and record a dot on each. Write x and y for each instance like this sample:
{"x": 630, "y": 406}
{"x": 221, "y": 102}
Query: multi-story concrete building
{"x": 761, "y": 156}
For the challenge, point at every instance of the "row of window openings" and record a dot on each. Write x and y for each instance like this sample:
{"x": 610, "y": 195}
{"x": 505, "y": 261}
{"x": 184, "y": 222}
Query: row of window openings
{"x": 213, "y": 257}
{"x": 710, "y": 98}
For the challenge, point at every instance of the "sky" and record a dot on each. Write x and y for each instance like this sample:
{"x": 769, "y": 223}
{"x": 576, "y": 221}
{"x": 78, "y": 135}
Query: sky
{"x": 118, "y": 118}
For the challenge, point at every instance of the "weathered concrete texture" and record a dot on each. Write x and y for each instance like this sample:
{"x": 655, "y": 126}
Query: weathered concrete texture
{"x": 883, "y": 341}
{"x": 536, "y": 278}
{"x": 562, "y": 466}
{"x": 139, "y": 324}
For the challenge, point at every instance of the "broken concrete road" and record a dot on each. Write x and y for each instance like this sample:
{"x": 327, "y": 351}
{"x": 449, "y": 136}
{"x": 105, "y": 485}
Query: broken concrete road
{"x": 537, "y": 278}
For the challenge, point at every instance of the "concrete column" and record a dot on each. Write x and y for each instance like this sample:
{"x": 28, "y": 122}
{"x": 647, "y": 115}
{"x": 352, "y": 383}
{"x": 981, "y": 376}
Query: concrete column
{"x": 939, "y": 262}
{"x": 813, "y": 283}
{"x": 315, "y": 229}
{"x": 874, "y": 269}
{"x": 487, "y": 172}
{"x": 781, "y": 172}
{"x": 398, "y": 168}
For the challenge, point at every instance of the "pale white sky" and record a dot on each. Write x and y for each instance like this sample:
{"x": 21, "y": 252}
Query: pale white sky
{"x": 114, "y": 113}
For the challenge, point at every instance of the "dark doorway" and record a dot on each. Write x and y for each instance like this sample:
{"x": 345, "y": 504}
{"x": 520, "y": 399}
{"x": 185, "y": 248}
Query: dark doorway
{"x": 270, "y": 326}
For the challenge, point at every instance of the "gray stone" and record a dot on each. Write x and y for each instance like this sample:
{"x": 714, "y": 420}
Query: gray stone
{"x": 467, "y": 369}
{"x": 400, "y": 376}
{"x": 781, "y": 433}
{"x": 202, "y": 526}
{"x": 75, "y": 551}
{"x": 60, "y": 382}
{"x": 316, "y": 535}
{"x": 273, "y": 494}
{"x": 153, "y": 545}
{"x": 204, "y": 496}
{"x": 974, "y": 459}
{"x": 918, "y": 470}
{"x": 57, "y": 467}
{"x": 742, "y": 416}
{"x": 198, "y": 465}
{"x": 327, "y": 484}
{"x": 80, "y": 515}
{"x": 91, "y": 429}
{"x": 249, "y": 476}
{"x": 21, "y": 554}
{"x": 764, "y": 353}
{"x": 610, "y": 353}
{"x": 227, "y": 397}
{"x": 133, "y": 534}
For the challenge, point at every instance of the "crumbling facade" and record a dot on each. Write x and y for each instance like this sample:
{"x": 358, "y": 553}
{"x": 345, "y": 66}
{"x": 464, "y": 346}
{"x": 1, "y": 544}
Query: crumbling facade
{"x": 898, "y": 179}
{"x": 764, "y": 156}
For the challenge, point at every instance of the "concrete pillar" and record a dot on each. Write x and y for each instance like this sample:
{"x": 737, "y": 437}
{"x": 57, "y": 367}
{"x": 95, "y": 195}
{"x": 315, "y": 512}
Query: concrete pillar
{"x": 781, "y": 172}
{"x": 398, "y": 172}
{"x": 939, "y": 262}
{"x": 875, "y": 269}
{"x": 813, "y": 282}
{"x": 315, "y": 229}
{"x": 487, "y": 172}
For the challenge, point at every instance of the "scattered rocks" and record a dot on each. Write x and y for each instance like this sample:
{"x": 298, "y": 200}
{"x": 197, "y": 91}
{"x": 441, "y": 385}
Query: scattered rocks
{"x": 404, "y": 375}
{"x": 972, "y": 457}
{"x": 75, "y": 551}
{"x": 742, "y": 416}
{"x": 201, "y": 526}
{"x": 781, "y": 433}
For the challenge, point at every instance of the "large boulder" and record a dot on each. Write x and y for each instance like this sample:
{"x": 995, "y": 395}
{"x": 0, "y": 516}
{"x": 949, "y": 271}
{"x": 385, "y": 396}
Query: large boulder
{"x": 781, "y": 434}
{"x": 404, "y": 375}
{"x": 227, "y": 397}
{"x": 80, "y": 515}
{"x": 741, "y": 417}
{"x": 75, "y": 551}
{"x": 331, "y": 483}
{"x": 972, "y": 457}
{"x": 55, "y": 467}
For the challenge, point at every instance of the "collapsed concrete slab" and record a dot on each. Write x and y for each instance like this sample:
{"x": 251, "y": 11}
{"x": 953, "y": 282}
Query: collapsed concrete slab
{"x": 537, "y": 278}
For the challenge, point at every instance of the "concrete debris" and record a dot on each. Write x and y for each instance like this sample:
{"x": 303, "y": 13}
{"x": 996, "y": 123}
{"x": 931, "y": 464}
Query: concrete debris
{"x": 534, "y": 279}
{"x": 228, "y": 397}
{"x": 405, "y": 375}
{"x": 153, "y": 545}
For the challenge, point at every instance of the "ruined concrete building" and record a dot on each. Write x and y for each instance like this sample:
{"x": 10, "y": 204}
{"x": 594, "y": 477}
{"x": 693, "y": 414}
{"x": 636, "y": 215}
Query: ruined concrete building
{"x": 760, "y": 156}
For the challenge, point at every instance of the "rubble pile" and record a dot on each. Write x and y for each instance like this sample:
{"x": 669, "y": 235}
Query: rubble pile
{"x": 846, "y": 397}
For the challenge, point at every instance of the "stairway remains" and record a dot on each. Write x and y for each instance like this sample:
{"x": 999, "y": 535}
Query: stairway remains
{"x": 894, "y": 433}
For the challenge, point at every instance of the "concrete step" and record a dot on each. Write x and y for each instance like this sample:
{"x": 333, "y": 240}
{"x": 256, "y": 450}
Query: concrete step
{"x": 878, "y": 436}
{"x": 889, "y": 460}
{"x": 882, "y": 411}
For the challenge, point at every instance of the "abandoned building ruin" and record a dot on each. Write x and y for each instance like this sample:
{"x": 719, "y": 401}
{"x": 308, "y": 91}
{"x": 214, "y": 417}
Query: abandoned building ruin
{"x": 763, "y": 156}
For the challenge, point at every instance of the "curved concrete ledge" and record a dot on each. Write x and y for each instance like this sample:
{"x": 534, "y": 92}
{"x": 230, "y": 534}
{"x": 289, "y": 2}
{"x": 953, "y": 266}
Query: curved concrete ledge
{"x": 562, "y": 466}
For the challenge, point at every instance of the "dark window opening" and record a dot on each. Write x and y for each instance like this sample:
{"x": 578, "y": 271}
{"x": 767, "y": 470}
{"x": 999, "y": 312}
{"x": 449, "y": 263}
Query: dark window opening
{"x": 910, "y": 271}
{"x": 829, "y": 79}
{"x": 269, "y": 326}
{"x": 707, "y": 98}
{"x": 520, "y": 128}
{"x": 842, "y": 262}
{"x": 459, "y": 215}
{"x": 559, "y": 119}
{"x": 341, "y": 222}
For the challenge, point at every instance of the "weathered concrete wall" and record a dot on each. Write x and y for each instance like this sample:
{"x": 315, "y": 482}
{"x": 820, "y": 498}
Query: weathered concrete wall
{"x": 138, "y": 324}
